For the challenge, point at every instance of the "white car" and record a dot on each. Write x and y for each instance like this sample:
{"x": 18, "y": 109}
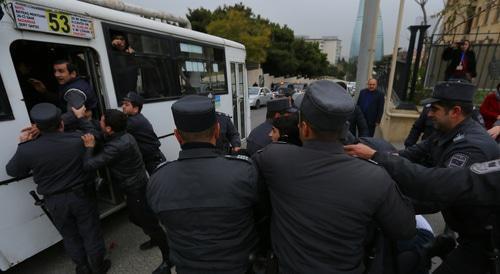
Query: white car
{"x": 259, "y": 96}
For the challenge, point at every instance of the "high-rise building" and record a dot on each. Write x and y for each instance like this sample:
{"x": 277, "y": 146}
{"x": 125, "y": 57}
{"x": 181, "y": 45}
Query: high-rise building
{"x": 356, "y": 35}
{"x": 329, "y": 45}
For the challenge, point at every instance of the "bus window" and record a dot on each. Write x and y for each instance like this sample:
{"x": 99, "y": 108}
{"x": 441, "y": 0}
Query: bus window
{"x": 201, "y": 69}
{"x": 141, "y": 63}
{"x": 5, "y": 110}
{"x": 35, "y": 72}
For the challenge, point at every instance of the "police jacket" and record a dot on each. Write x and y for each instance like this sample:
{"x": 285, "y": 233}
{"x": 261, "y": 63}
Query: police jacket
{"x": 323, "y": 202}
{"x": 143, "y": 132}
{"x": 206, "y": 201}
{"x": 259, "y": 137}
{"x": 423, "y": 125}
{"x": 466, "y": 144}
{"x": 55, "y": 158}
{"x": 477, "y": 185}
{"x": 122, "y": 156}
{"x": 228, "y": 133}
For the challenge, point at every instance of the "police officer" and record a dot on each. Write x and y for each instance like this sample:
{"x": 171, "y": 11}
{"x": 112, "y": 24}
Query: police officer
{"x": 143, "y": 132}
{"x": 322, "y": 200}
{"x": 122, "y": 156}
{"x": 259, "y": 136}
{"x": 55, "y": 158}
{"x": 458, "y": 141}
{"x": 208, "y": 214}
{"x": 229, "y": 138}
{"x": 477, "y": 185}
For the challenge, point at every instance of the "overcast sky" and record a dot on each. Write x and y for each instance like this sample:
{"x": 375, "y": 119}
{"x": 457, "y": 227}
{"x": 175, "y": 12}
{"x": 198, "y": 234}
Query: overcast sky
{"x": 314, "y": 18}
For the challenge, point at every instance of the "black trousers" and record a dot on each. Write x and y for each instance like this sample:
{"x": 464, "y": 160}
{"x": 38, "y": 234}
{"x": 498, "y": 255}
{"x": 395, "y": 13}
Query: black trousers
{"x": 75, "y": 216}
{"x": 469, "y": 257}
{"x": 143, "y": 216}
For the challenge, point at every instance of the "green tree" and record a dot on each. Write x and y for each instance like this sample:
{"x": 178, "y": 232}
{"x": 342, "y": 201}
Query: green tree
{"x": 312, "y": 62}
{"x": 281, "y": 60}
{"x": 236, "y": 25}
{"x": 199, "y": 18}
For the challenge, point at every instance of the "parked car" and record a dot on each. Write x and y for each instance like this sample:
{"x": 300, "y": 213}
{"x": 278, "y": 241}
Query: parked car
{"x": 259, "y": 96}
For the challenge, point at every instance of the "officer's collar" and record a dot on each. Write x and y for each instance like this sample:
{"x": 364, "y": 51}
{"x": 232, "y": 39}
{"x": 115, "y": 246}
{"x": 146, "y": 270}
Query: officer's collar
{"x": 198, "y": 150}
{"x": 446, "y": 137}
{"x": 330, "y": 147}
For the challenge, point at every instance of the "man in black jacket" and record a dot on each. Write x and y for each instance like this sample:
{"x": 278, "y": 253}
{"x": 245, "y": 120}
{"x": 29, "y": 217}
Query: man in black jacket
{"x": 209, "y": 215}
{"x": 55, "y": 158}
{"x": 143, "y": 132}
{"x": 123, "y": 158}
{"x": 323, "y": 201}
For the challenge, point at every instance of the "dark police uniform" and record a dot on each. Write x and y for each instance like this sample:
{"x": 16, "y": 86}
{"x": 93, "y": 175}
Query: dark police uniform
{"x": 464, "y": 145}
{"x": 123, "y": 158}
{"x": 55, "y": 158}
{"x": 81, "y": 85}
{"x": 259, "y": 136}
{"x": 146, "y": 138}
{"x": 229, "y": 136}
{"x": 323, "y": 201}
{"x": 205, "y": 199}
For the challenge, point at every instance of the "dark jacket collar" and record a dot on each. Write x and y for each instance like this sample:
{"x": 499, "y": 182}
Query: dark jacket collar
{"x": 446, "y": 137}
{"x": 198, "y": 150}
{"x": 329, "y": 147}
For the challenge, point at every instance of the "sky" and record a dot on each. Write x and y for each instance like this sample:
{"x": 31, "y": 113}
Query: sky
{"x": 313, "y": 18}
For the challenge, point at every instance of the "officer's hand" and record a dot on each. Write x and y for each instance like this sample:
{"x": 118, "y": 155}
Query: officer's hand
{"x": 79, "y": 113}
{"x": 31, "y": 130}
{"x": 494, "y": 132}
{"x": 25, "y": 136}
{"x": 236, "y": 149}
{"x": 360, "y": 150}
{"x": 88, "y": 140}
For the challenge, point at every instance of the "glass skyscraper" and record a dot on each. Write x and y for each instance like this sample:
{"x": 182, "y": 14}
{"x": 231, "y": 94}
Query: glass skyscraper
{"x": 356, "y": 35}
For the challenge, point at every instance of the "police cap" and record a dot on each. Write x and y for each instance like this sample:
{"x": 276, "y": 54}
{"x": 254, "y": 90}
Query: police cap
{"x": 75, "y": 98}
{"x": 45, "y": 114}
{"x": 194, "y": 113}
{"x": 326, "y": 105}
{"x": 278, "y": 105}
{"x": 451, "y": 91}
{"x": 134, "y": 98}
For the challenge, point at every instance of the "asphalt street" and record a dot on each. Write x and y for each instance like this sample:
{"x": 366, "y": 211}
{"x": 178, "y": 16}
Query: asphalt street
{"x": 123, "y": 240}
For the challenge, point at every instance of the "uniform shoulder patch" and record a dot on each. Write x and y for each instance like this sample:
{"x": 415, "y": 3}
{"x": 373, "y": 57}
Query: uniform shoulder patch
{"x": 486, "y": 167}
{"x": 238, "y": 157}
{"x": 458, "y": 160}
{"x": 459, "y": 138}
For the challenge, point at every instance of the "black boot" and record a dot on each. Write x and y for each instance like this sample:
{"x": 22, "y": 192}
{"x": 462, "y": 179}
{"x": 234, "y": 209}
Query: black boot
{"x": 163, "y": 268}
{"x": 99, "y": 265}
{"x": 82, "y": 269}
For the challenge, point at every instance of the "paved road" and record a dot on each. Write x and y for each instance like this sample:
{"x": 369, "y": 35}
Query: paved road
{"x": 123, "y": 239}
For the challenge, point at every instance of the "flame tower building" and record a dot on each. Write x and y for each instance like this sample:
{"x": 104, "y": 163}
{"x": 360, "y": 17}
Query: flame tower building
{"x": 356, "y": 35}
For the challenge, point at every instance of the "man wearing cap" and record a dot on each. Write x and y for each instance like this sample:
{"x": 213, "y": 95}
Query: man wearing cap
{"x": 209, "y": 217}
{"x": 123, "y": 158}
{"x": 259, "y": 136}
{"x": 324, "y": 201}
{"x": 143, "y": 132}
{"x": 55, "y": 159}
{"x": 459, "y": 141}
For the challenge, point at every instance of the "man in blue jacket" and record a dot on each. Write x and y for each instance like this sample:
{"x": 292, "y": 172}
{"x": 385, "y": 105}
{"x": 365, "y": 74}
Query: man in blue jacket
{"x": 371, "y": 102}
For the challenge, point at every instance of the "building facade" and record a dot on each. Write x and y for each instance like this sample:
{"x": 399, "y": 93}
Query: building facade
{"x": 356, "y": 35}
{"x": 329, "y": 45}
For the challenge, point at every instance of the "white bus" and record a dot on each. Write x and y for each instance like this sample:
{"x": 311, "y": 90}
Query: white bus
{"x": 167, "y": 62}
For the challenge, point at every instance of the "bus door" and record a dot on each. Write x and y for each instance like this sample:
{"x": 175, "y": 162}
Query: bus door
{"x": 34, "y": 67}
{"x": 239, "y": 93}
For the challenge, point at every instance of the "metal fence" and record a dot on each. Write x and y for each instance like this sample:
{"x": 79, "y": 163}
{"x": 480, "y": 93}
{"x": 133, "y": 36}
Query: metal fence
{"x": 485, "y": 47}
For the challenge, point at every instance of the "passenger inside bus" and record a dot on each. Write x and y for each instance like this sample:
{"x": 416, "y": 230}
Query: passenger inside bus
{"x": 119, "y": 42}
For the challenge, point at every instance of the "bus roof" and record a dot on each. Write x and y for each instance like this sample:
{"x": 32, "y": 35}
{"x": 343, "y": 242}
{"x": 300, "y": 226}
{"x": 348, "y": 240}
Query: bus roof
{"x": 131, "y": 20}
